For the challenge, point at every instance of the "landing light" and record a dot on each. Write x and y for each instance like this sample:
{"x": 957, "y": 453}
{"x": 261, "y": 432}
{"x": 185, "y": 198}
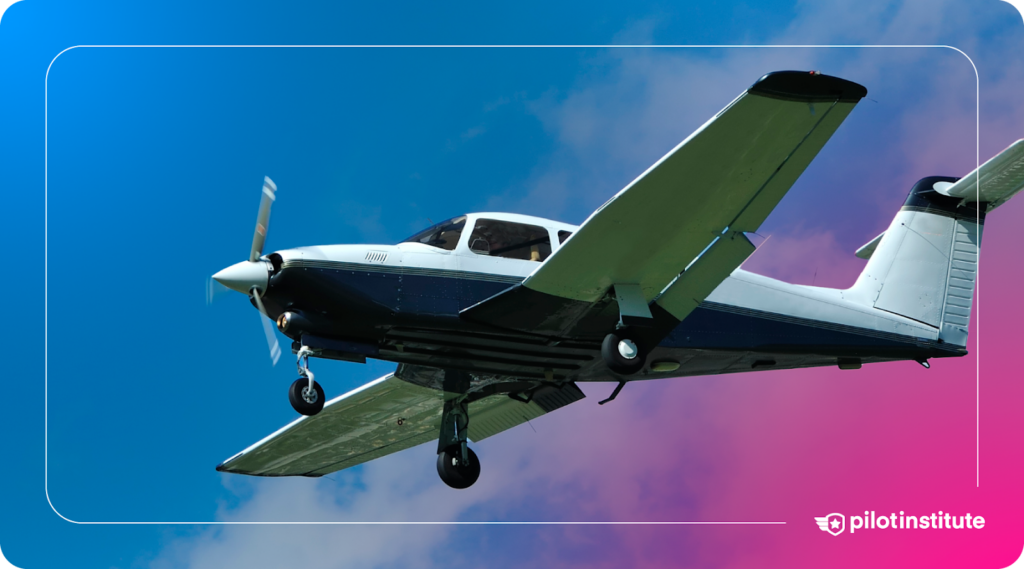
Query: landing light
{"x": 283, "y": 320}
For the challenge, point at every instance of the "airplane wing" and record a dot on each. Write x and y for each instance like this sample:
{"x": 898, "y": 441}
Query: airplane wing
{"x": 380, "y": 418}
{"x": 695, "y": 202}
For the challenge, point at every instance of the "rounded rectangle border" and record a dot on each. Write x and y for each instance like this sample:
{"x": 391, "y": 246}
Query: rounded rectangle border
{"x": 977, "y": 307}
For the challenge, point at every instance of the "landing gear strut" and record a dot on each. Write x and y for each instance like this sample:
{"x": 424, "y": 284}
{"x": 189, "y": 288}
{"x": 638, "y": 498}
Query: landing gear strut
{"x": 457, "y": 464}
{"x": 305, "y": 394}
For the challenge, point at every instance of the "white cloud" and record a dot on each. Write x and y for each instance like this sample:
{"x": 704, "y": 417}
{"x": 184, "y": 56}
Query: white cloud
{"x": 473, "y": 132}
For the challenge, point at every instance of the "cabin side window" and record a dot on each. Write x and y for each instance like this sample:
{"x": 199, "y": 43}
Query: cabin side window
{"x": 444, "y": 235}
{"x": 510, "y": 240}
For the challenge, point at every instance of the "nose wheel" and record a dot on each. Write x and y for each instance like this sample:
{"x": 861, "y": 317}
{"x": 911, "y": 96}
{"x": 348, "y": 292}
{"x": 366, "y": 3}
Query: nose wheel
{"x": 304, "y": 400}
{"x": 305, "y": 394}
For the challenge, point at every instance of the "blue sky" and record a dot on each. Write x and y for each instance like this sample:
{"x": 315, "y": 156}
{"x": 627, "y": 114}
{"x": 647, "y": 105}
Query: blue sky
{"x": 155, "y": 163}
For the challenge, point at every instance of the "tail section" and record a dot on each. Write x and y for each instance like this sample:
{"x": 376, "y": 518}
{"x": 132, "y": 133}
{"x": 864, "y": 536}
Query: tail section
{"x": 924, "y": 267}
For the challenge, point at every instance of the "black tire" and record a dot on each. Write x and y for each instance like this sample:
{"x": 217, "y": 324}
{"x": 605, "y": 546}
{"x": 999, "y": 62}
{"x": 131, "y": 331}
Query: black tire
{"x": 456, "y": 475}
{"x": 617, "y": 362}
{"x": 299, "y": 402}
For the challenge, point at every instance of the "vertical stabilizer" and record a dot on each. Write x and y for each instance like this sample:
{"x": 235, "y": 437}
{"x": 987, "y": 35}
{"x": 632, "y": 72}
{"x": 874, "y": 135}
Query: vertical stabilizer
{"x": 925, "y": 265}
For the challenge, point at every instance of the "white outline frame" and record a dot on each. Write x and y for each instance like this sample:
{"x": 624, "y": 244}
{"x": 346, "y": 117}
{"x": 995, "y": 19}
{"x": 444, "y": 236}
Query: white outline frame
{"x": 46, "y": 134}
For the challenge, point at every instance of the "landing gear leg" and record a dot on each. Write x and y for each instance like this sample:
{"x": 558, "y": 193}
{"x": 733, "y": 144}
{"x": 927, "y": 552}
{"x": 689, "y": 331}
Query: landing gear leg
{"x": 457, "y": 464}
{"x": 305, "y": 394}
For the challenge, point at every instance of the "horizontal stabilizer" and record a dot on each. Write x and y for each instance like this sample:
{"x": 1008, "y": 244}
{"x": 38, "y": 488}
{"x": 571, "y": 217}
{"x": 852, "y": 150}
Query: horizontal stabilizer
{"x": 1000, "y": 179}
{"x": 868, "y": 248}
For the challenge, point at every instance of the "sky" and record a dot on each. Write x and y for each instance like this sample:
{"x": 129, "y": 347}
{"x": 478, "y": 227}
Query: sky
{"x": 133, "y": 173}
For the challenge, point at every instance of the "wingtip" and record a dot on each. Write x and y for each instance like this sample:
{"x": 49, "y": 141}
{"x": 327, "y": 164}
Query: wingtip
{"x": 808, "y": 86}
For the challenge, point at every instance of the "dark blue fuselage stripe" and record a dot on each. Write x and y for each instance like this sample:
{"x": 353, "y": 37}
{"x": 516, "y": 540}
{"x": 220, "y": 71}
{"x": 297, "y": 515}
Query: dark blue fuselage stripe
{"x": 710, "y": 326}
{"x": 713, "y": 328}
{"x": 402, "y": 271}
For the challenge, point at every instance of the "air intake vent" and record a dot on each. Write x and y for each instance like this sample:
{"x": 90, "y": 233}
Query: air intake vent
{"x": 376, "y": 256}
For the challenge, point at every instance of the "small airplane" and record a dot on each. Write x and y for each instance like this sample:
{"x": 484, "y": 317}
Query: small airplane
{"x": 493, "y": 318}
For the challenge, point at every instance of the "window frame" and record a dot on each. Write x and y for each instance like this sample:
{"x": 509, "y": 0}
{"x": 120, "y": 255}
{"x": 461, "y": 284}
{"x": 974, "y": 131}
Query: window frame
{"x": 464, "y": 249}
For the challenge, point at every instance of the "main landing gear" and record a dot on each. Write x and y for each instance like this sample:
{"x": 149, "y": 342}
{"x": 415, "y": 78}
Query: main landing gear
{"x": 457, "y": 464}
{"x": 305, "y": 394}
{"x": 623, "y": 352}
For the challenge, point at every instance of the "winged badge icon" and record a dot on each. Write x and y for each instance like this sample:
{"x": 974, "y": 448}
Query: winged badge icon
{"x": 832, "y": 523}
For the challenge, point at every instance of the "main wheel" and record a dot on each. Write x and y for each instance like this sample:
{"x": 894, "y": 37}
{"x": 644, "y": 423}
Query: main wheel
{"x": 303, "y": 400}
{"x": 453, "y": 473}
{"x": 623, "y": 353}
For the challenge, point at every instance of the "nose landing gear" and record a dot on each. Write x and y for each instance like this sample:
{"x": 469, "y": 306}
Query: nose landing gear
{"x": 305, "y": 394}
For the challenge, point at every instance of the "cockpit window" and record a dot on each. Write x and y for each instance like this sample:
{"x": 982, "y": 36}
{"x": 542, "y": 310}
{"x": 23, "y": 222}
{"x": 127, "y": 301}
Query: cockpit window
{"x": 444, "y": 235}
{"x": 563, "y": 235}
{"x": 510, "y": 240}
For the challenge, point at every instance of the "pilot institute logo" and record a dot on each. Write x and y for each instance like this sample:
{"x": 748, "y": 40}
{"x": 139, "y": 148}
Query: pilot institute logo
{"x": 832, "y": 523}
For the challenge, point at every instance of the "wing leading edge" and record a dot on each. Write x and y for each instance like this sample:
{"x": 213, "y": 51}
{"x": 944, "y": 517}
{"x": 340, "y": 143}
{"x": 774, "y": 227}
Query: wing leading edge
{"x": 681, "y": 222}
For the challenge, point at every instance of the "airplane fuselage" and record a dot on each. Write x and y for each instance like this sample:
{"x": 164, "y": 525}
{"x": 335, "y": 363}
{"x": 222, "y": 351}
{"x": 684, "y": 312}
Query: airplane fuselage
{"x": 402, "y": 303}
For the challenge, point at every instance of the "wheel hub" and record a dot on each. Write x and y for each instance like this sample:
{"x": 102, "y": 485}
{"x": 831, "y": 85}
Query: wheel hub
{"x": 309, "y": 395}
{"x": 628, "y": 349}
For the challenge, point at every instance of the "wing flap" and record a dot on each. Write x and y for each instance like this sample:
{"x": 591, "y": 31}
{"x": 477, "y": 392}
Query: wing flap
{"x": 493, "y": 415}
{"x": 707, "y": 272}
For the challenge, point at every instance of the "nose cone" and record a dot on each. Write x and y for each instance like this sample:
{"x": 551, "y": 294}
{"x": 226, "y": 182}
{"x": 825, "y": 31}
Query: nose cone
{"x": 245, "y": 275}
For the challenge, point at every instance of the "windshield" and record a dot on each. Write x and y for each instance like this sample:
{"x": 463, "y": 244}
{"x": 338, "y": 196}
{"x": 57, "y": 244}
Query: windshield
{"x": 444, "y": 235}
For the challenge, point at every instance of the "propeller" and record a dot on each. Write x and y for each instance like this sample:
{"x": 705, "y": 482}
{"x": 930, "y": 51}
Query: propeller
{"x": 262, "y": 219}
{"x": 250, "y": 277}
{"x": 268, "y": 328}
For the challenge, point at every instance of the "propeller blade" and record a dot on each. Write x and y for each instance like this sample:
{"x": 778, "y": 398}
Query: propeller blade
{"x": 275, "y": 348}
{"x": 268, "y": 328}
{"x": 262, "y": 219}
{"x": 213, "y": 290}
